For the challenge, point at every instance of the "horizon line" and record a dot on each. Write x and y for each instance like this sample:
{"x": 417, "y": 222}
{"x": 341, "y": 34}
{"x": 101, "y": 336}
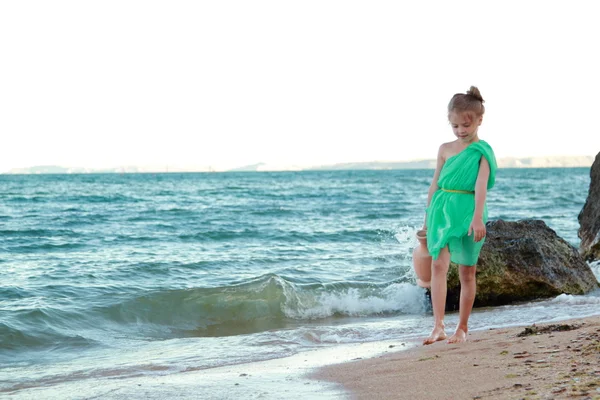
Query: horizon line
{"x": 579, "y": 161}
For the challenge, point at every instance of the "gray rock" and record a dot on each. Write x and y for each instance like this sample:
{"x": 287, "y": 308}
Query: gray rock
{"x": 522, "y": 261}
{"x": 589, "y": 217}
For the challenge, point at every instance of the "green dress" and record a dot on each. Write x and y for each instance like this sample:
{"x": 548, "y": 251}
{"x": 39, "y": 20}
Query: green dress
{"x": 450, "y": 213}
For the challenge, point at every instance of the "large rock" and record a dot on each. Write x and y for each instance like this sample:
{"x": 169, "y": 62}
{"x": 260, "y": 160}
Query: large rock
{"x": 589, "y": 217}
{"x": 523, "y": 261}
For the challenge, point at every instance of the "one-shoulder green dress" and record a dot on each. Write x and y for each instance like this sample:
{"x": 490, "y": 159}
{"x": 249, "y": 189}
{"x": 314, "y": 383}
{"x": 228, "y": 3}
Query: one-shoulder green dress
{"x": 451, "y": 209}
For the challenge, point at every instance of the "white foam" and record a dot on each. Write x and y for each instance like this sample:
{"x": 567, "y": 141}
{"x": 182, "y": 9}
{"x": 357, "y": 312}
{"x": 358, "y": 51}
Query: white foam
{"x": 575, "y": 300}
{"x": 406, "y": 235}
{"x": 595, "y": 266}
{"x": 398, "y": 297}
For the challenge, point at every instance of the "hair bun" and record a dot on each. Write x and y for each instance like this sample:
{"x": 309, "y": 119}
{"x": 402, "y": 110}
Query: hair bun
{"x": 470, "y": 101}
{"x": 473, "y": 91}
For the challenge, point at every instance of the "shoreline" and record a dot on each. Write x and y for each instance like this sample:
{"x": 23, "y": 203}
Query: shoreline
{"x": 495, "y": 363}
{"x": 550, "y": 360}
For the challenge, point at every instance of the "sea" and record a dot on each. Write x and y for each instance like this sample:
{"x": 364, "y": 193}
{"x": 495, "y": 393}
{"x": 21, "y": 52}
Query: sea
{"x": 235, "y": 284}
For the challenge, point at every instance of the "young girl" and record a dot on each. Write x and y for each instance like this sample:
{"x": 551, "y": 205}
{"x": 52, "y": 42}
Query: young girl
{"x": 456, "y": 211}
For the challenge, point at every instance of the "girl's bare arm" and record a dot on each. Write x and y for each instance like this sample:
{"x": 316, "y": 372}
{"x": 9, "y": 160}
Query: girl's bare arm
{"x": 477, "y": 224}
{"x": 434, "y": 182}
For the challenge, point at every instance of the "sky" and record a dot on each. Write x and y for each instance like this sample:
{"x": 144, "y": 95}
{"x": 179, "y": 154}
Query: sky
{"x": 230, "y": 83}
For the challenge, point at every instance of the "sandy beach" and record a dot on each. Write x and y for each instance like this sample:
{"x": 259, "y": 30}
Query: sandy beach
{"x": 544, "y": 361}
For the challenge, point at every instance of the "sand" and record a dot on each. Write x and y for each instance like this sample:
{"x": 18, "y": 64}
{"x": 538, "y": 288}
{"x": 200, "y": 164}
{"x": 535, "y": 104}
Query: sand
{"x": 545, "y": 361}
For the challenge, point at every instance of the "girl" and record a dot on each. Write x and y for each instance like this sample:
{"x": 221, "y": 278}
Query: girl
{"x": 456, "y": 212}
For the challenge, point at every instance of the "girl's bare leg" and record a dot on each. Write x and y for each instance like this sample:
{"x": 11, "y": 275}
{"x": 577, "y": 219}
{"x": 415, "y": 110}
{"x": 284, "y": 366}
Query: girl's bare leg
{"x": 439, "y": 271}
{"x": 468, "y": 289}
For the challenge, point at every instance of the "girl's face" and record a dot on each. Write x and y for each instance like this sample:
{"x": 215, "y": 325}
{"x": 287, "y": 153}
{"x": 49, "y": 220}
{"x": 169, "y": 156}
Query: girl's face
{"x": 465, "y": 125}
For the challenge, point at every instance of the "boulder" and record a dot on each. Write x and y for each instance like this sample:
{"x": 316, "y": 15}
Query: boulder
{"x": 522, "y": 261}
{"x": 589, "y": 217}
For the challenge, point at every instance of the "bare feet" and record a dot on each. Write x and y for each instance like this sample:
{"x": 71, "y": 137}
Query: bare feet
{"x": 437, "y": 334}
{"x": 423, "y": 284}
{"x": 460, "y": 336}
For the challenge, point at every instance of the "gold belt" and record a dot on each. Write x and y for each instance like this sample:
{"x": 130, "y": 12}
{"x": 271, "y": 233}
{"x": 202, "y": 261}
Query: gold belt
{"x": 458, "y": 191}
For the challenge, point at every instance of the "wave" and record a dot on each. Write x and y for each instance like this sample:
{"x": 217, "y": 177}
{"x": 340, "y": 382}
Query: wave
{"x": 80, "y": 199}
{"x": 569, "y": 299}
{"x": 37, "y": 232}
{"x": 26, "y": 199}
{"x": 96, "y": 198}
{"x": 46, "y": 247}
{"x": 397, "y": 215}
{"x": 595, "y": 266}
{"x": 275, "y": 212}
{"x": 264, "y": 303}
{"x": 341, "y": 236}
{"x": 12, "y": 292}
{"x": 15, "y": 340}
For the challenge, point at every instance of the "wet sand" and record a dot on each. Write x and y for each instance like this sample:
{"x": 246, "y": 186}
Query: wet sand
{"x": 546, "y": 361}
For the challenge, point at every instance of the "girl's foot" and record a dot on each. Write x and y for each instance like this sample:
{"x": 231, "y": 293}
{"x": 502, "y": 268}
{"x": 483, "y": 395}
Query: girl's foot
{"x": 437, "y": 334}
{"x": 460, "y": 336}
{"x": 423, "y": 284}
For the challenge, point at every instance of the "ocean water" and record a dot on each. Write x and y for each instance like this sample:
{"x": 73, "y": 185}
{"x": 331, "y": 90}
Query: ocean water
{"x": 106, "y": 278}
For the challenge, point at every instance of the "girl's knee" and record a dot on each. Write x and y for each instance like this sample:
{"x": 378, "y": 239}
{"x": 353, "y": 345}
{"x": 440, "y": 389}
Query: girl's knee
{"x": 439, "y": 266}
{"x": 467, "y": 274}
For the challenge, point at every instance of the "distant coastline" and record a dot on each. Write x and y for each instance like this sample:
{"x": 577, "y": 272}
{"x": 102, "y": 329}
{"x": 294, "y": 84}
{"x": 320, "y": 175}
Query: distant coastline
{"x": 510, "y": 162}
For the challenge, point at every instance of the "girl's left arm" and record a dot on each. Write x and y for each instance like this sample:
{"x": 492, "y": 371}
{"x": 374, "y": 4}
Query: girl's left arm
{"x": 477, "y": 225}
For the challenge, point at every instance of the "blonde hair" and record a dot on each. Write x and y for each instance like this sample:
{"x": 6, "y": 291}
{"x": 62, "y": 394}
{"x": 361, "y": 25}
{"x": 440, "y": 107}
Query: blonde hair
{"x": 470, "y": 102}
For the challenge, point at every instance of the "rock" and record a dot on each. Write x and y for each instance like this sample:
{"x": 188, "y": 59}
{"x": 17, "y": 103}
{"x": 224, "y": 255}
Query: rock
{"x": 589, "y": 217}
{"x": 522, "y": 261}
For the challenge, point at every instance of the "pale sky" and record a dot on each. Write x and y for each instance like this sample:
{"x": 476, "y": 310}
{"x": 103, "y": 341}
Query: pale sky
{"x": 230, "y": 83}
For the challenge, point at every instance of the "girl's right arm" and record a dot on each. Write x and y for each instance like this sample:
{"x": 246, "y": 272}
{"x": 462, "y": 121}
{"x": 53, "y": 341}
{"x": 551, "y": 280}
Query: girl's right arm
{"x": 434, "y": 182}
